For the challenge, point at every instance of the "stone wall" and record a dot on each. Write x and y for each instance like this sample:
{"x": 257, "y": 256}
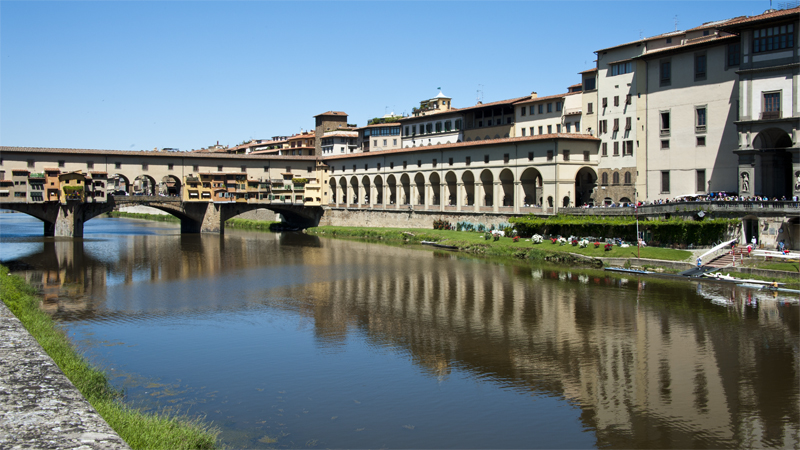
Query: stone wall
{"x": 260, "y": 214}
{"x": 403, "y": 218}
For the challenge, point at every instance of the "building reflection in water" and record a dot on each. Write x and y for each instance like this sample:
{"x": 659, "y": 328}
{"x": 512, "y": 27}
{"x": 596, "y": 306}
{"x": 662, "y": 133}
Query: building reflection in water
{"x": 651, "y": 362}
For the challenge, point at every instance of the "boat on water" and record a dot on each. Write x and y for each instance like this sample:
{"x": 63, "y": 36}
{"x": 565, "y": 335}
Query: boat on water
{"x": 721, "y": 277}
{"x": 438, "y": 245}
{"x": 762, "y": 287}
{"x": 623, "y": 270}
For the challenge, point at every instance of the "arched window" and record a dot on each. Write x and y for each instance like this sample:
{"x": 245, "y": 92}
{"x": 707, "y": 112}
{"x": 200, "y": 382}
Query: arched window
{"x": 616, "y": 177}
{"x": 627, "y": 178}
{"x": 605, "y": 178}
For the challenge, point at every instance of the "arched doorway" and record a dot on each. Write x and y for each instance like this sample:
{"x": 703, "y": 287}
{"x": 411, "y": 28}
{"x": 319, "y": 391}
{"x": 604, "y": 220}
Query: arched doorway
{"x": 585, "y": 183}
{"x": 776, "y": 175}
{"x": 469, "y": 188}
{"x": 365, "y": 183}
{"x": 487, "y": 180}
{"x": 452, "y": 188}
{"x": 144, "y": 185}
{"x": 419, "y": 184}
{"x": 378, "y": 190}
{"x": 392, "y": 183}
{"x": 507, "y": 185}
{"x": 405, "y": 189}
{"x": 531, "y": 181}
{"x": 435, "y": 189}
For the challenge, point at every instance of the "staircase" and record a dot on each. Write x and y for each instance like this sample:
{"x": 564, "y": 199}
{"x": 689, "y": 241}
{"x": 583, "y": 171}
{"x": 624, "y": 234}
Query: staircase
{"x": 725, "y": 260}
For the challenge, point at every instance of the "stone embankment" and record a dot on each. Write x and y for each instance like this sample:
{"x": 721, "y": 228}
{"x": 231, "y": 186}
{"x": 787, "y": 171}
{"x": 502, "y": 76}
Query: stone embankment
{"x": 39, "y": 407}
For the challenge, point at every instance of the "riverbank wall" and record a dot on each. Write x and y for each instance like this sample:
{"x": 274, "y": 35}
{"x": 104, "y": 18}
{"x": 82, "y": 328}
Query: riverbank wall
{"x": 403, "y": 218}
{"x": 39, "y": 406}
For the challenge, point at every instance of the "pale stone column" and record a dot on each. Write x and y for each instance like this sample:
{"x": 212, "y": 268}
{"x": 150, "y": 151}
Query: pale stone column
{"x": 496, "y": 196}
{"x": 428, "y": 195}
{"x": 518, "y": 196}
{"x": 443, "y": 199}
{"x": 459, "y": 199}
{"x": 479, "y": 196}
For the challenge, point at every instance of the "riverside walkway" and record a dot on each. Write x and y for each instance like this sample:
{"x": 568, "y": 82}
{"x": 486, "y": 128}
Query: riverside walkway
{"x": 39, "y": 407}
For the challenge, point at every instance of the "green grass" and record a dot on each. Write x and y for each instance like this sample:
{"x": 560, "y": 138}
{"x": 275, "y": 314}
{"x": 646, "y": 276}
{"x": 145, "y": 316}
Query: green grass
{"x": 158, "y": 217}
{"x": 247, "y": 224}
{"x": 771, "y": 265}
{"x": 139, "y": 430}
{"x": 475, "y": 243}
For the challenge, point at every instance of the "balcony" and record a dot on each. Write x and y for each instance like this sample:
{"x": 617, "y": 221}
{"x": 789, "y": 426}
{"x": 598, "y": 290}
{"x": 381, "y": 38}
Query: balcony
{"x": 769, "y": 115}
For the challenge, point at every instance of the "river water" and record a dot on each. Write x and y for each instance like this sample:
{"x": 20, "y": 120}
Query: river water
{"x": 289, "y": 340}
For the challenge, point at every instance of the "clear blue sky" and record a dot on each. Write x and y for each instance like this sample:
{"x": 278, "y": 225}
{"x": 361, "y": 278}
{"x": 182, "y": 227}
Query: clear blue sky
{"x": 145, "y": 74}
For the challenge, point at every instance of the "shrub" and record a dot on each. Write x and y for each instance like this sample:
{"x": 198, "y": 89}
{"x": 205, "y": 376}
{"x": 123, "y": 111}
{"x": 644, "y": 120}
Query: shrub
{"x": 515, "y": 239}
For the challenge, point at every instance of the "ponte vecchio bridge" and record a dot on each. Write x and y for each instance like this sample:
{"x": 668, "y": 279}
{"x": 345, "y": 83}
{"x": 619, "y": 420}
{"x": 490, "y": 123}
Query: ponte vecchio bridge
{"x": 66, "y": 187}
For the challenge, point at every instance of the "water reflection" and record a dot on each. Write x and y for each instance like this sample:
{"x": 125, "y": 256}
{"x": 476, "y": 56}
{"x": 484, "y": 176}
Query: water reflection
{"x": 650, "y": 362}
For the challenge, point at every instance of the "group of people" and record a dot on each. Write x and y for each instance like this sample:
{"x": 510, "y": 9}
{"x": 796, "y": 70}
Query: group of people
{"x": 714, "y": 197}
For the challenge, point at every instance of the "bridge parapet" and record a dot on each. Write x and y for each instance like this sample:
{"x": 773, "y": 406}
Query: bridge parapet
{"x": 718, "y": 208}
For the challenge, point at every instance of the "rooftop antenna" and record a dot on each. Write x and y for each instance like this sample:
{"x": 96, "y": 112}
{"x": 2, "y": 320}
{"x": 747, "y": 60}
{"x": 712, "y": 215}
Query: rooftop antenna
{"x": 479, "y": 94}
{"x": 640, "y": 34}
{"x": 676, "y": 21}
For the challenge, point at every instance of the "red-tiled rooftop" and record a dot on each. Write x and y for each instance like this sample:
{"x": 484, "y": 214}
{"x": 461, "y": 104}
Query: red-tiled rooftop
{"x": 548, "y": 97}
{"x": 332, "y": 113}
{"x": 570, "y": 136}
{"x": 744, "y": 20}
{"x": 135, "y": 153}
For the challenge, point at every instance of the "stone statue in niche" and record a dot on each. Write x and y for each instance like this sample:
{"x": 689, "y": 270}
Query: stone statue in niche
{"x": 745, "y": 182}
{"x": 797, "y": 181}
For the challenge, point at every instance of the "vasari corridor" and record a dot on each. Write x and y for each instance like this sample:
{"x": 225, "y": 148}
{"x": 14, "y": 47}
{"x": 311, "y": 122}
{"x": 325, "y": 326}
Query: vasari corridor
{"x": 400, "y": 225}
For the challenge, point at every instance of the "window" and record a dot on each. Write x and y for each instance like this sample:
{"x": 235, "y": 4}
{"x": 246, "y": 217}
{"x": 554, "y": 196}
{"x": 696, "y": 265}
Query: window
{"x": 530, "y": 156}
{"x": 541, "y": 109}
{"x": 531, "y": 131}
{"x": 621, "y": 68}
{"x": 549, "y": 107}
{"x": 458, "y": 124}
{"x": 549, "y": 155}
{"x": 61, "y": 163}
{"x": 31, "y": 163}
{"x": 773, "y": 38}
{"x": 700, "y": 119}
{"x": 627, "y": 178}
{"x": 429, "y": 128}
{"x": 700, "y": 66}
{"x": 569, "y": 127}
{"x": 523, "y": 110}
{"x": 438, "y": 127}
{"x": 616, "y": 125}
{"x": 772, "y": 105}
{"x": 615, "y": 178}
{"x": 665, "y": 182}
{"x": 541, "y": 129}
{"x": 734, "y": 54}
{"x": 628, "y": 121}
{"x": 506, "y": 158}
{"x": 627, "y": 148}
{"x": 384, "y": 142}
{"x": 486, "y": 159}
{"x": 447, "y": 125}
{"x": 391, "y": 165}
{"x": 450, "y": 161}
{"x": 605, "y": 102}
{"x": 669, "y": 40}
{"x": 308, "y": 169}
{"x": 558, "y": 106}
{"x": 589, "y": 84}
{"x": 394, "y": 141}
{"x": 604, "y": 151}
{"x": 244, "y": 168}
{"x": 603, "y": 126}
{"x": 375, "y": 143}
{"x": 701, "y": 180}
{"x": 90, "y": 164}
{"x": 468, "y": 160}
{"x": 197, "y": 168}
{"x": 405, "y": 165}
{"x": 354, "y": 167}
{"x": 701, "y": 141}
{"x": 523, "y": 132}
{"x": 379, "y": 166}
{"x": 407, "y": 133}
{"x": 566, "y": 155}
{"x": 532, "y": 109}
{"x": 666, "y": 73}
{"x": 590, "y": 108}
{"x": 616, "y": 100}
{"x": 585, "y": 155}
{"x": 558, "y": 128}
{"x": 616, "y": 148}
{"x": 419, "y": 163}
{"x": 604, "y": 179}
{"x": 434, "y": 162}
{"x": 549, "y": 129}
{"x": 366, "y": 166}
{"x": 665, "y": 123}
{"x": 144, "y": 166}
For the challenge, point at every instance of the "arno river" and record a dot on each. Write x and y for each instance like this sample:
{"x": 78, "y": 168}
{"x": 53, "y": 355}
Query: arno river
{"x": 288, "y": 340}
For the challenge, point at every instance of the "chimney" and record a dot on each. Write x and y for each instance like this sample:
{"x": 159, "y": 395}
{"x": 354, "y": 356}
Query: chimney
{"x": 534, "y": 94}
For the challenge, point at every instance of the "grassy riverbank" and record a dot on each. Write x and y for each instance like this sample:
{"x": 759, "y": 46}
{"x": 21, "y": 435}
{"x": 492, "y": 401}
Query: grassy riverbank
{"x": 158, "y": 217}
{"x": 473, "y": 242}
{"x": 139, "y": 430}
{"x": 246, "y": 224}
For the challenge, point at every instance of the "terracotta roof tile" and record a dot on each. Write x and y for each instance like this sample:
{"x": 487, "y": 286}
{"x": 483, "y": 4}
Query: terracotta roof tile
{"x": 571, "y": 136}
{"x": 548, "y": 97}
{"x": 332, "y": 113}
{"x": 594, "y": 69}
{"x": 689, "y": 44}
{"x": 744, "y": 20}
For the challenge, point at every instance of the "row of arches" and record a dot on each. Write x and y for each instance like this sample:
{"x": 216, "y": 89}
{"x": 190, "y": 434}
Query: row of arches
{"x": 169, "y": 185}
{"x": 465, "y": 190}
